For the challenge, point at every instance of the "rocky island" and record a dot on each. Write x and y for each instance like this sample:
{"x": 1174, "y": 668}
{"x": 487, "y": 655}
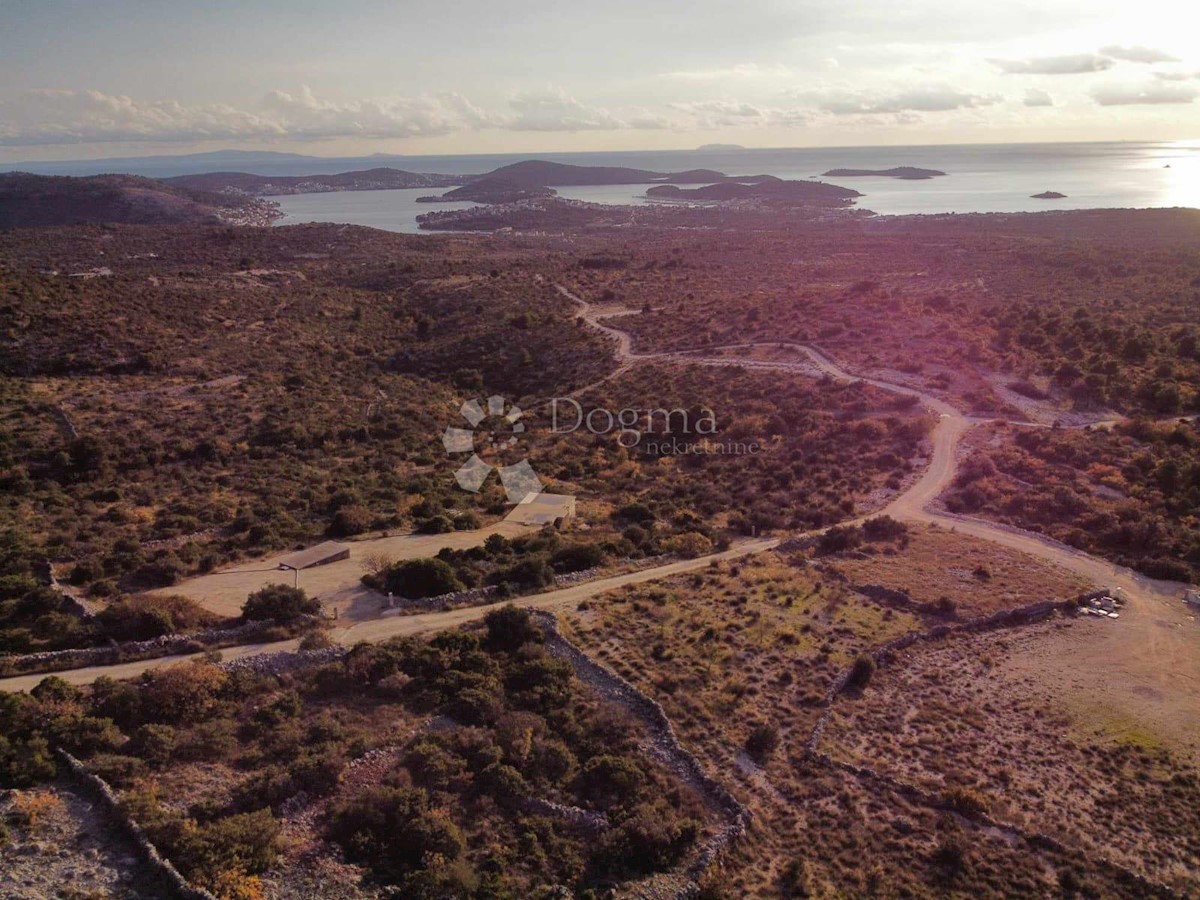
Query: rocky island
{"x": 1048, "y": 195}
{"x": 492, "y": 190}
{"x": 905, "y": 173}
{"x": 774, "y": 191}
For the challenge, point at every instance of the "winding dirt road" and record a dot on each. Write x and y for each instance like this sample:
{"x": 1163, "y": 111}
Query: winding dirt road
{"x": 1148, "y": 666}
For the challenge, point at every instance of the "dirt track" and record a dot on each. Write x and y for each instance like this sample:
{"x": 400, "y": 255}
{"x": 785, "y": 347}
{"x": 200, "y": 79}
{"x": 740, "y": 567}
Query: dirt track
{"x": 1146, "y": 668}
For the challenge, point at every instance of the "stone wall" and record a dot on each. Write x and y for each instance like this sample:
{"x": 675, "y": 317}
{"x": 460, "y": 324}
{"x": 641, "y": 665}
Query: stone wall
{"x": 664, "y": 743}
{"x": 164, "y": 645}
{"x": 175, "y": 884}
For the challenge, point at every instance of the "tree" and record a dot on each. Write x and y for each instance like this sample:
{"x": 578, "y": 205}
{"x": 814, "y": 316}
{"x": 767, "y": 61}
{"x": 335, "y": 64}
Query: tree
{"x": 762, "y": 741}
{"x": 279, "y": 603}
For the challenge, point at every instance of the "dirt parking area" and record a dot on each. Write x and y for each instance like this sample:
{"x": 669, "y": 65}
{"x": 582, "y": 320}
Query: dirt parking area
{"x": 336, "y": 584}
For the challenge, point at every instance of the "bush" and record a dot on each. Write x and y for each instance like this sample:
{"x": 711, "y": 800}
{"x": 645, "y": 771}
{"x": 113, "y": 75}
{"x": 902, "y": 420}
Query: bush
{"x": 762, "y": 741}
{"x": 416, "y": 578}
{"x": 576, "y": 558}
{"x": 861, "y": 672}
{"x": 434, "y": 525}
{"x": 689, "y": 545}
{"x": 393, "y": 831}
{"x": 839, "y": 538}
{"x": 529, "y": 574}
{"x": 279, "y": 603}
{"x": 349, "y": 521}
{"x": 509, "y": 628}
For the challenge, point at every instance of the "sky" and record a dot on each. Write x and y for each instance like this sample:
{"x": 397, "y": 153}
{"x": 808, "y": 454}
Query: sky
{"x": 118, "y": 78}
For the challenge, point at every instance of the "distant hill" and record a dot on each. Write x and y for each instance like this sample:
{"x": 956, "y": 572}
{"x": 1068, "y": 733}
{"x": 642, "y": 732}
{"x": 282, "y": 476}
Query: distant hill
{"x": 720, "y": 147}
{"x": 906, "y": 173}
{"x": 774, "y": 191}
{"x": 380, "y": 179}
{"x": 36, "y": 200}
{"x": 492, "y": 190}
{"x": 537, "y": 172}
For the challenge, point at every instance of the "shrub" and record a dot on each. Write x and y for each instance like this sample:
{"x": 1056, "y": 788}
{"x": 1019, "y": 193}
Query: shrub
{"x": 861, "y": 672}
{"x": 279, "y": 603}
{"x": 762, "y": 741}
{"x": 689, "y": 545}
{"x": 317, "y": 639}
{"x": 839, "y": 538}
{"x": 153, "y": 743}
{"x": 350, "y": 520}
{"x": 417, "y": 578}
{"x": 185, "y": 693}
{"x": 882, "y": 528}
{"x": 509, "y": 628}
{"x": 434, "y": 525}
{"x": 528, "y": 574}
{"x": 576, "y": 558}
{"x": 394, "y": 831}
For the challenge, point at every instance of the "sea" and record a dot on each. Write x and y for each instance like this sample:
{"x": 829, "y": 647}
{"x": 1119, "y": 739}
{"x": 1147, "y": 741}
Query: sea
{"x": 980, "y": 178}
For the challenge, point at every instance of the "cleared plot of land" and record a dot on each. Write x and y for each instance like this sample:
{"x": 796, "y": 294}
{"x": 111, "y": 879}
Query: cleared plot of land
{"x": 978, "y": 576}
{"x": 336, "y": 584}
{"x": 979, "y": 715}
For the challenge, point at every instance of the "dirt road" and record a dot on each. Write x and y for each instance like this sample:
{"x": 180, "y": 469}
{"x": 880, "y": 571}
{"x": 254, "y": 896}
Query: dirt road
{"x": 381, "y": 629}
{"x": 1147, "y": 666}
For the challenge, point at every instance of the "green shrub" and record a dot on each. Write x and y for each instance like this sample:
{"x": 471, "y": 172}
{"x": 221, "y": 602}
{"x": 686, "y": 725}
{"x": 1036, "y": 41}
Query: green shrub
{"x": 416, "y": 578}
{"x": 279, "y": 603}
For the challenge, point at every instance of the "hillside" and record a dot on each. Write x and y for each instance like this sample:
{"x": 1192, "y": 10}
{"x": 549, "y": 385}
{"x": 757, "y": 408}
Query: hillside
{"x": 538, "y": 172}
{"x": 380, "y": 179}
{"x": 42, "y": 200}
{"x": 790, "y": 192}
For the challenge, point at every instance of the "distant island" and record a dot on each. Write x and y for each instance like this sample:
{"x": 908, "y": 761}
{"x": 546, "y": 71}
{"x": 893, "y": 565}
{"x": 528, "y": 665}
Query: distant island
{"x": 533, "y": 178}
{"x": 720, "y": 147}
{"x": 492, "y": 190}
{"x": 776, "y": 191}
{"x": 1048, "y": 195}
{"x": 906, "y": 173}
{"x": 382, "y": 179}
{"x": 42, "y": 200}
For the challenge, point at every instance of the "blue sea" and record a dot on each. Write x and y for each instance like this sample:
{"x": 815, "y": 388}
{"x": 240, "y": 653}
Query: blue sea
{"x": 980, "y": 178}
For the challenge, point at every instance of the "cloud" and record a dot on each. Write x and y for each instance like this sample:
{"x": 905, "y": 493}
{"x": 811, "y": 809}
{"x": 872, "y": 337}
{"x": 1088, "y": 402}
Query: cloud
{"x": 304, "y": 116}
{"x": 45, "y": 117}
{"x": 1037, "y": 97}
{"x": 1146, "y": 95}
{"x": 554, "y": 110}
{"x": 743, "y": 71}
{"x": 926, "y": 99}
{"x": 727, "y": 113}
{"x": 1177, "y": 76}
{"x": 56, "y": 117}
{"x": 1074, "y": 64}
{"x": 1138, "y": 54}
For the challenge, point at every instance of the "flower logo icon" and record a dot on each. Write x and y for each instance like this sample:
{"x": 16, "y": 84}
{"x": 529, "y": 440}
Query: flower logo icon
{"x": 519, "y": 479}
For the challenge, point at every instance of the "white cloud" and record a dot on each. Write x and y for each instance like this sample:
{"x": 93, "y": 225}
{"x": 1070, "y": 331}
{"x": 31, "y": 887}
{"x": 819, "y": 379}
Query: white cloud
{"x": 1144, "y": 95}
{"x": 1073, "y": 64}
{"x": 737, "y": 113}
{"x": 741, "y": 71}
{"x": 56, "y": 117}
{"x": 1138, "y": 54}
{"x": 1038, "y": 97}
{"x": 910, "y": 100}
{"x": 554, "y": 110}
{"x": 1177, "y": 76}
{"x": 71, "y": 117}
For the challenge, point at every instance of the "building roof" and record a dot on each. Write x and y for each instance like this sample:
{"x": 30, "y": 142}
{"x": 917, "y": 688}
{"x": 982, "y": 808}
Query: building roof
{"x": 542, "y": 509}
{"x": 326, "y": 551}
